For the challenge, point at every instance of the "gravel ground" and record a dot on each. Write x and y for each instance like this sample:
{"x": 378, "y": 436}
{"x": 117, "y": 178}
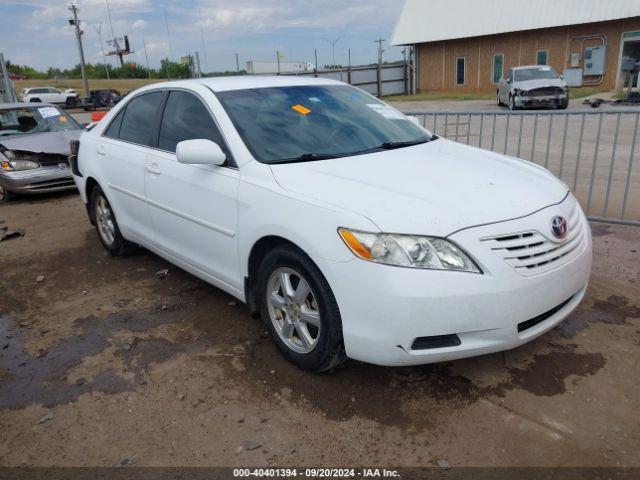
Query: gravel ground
{"x": 103, "y": 362}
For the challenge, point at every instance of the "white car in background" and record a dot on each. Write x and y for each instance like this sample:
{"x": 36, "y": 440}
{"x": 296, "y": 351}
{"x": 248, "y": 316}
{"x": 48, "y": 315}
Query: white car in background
{"x": 50, "y": 95}
{"x": 532, "y": 86}
{"x": 350, "y": 230}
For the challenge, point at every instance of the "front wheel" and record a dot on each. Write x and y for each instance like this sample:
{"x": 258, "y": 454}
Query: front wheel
{"x": 5, "y": 195}
{"x": 498, "y": 99}
{"x": 512, "y": 103}
{"x": 107, "y": 226}
{"x": 564, "y": 104}
{"x": 300, "y": 310}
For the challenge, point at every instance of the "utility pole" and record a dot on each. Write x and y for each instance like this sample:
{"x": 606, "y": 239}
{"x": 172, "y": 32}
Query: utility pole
{"x": 204, "y": 48}
{"x": 146, "y": 58}
{"x": 75, "y": 22}
{"x": 166, "y": 23}
{"x": 237, "y": 63}
{"x": 104, "y": 58}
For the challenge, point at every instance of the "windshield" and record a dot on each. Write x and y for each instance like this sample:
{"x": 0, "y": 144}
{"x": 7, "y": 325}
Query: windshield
{"x": 283, "y": 124}
{"x": 535, "y": 74}
{"x": 28, "y": 120}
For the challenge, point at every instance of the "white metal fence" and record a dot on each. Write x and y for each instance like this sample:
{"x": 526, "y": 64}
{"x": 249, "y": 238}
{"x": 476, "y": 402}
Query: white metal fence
{"x": 594, "y": 152}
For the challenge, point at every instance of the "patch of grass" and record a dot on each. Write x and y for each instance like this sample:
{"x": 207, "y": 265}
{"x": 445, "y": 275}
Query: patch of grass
{"x": 439, "y": 96}
{"x": 576, "y": 92}
{"x": 581, "y": 92}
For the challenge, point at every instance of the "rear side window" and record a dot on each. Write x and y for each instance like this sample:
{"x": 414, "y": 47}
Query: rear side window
{"x": 186, "y": 118}
{"x": 114, "y": 127}
{"x": 140, "y": 118}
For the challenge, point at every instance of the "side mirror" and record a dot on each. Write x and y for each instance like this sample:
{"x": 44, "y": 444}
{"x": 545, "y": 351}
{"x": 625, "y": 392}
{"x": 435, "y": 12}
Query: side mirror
{"x": 200, "y": 152}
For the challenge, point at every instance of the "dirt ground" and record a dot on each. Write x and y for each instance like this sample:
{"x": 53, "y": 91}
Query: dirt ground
{"x": 103, "y": 362}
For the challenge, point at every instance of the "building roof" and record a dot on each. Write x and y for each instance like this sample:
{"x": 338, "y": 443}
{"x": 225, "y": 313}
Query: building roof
{"x": 435, "y": 20}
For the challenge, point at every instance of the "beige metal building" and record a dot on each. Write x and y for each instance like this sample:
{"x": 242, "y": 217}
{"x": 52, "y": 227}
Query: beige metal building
{"x": 465, "y": 46}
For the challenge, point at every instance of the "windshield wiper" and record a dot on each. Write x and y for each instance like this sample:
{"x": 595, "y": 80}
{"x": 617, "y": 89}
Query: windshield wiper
{"x": 392, "y": 145}
{"x": 308, "y": 157}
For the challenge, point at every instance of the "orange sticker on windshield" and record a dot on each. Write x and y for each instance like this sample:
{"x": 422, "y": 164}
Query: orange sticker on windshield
{"x": 302, "y": 110}
{"x": 63, "y": 119}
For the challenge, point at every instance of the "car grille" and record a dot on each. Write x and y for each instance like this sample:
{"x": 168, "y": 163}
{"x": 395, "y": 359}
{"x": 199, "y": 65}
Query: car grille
{"x": 541, "y": 92}
{"x": 531, "y": 253}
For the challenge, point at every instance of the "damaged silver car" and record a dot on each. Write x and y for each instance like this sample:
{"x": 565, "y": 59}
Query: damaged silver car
{"x": 533, "y": 86}
{"x": 34, "y": 146}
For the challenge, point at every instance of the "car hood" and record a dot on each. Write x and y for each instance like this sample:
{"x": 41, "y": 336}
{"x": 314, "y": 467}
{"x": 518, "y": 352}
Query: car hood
{"x": 46, "y": 142}
{"x": 543, "y": 82}
{"x": 435, "y": 188}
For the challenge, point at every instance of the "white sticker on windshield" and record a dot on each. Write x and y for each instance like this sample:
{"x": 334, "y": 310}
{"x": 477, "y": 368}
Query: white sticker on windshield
{"x": 386, "y": 111}
{"x": 47, "y": 112}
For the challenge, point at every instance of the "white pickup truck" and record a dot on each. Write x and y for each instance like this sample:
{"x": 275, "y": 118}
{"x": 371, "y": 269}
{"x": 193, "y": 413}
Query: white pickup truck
{"x": 50, "y": 95}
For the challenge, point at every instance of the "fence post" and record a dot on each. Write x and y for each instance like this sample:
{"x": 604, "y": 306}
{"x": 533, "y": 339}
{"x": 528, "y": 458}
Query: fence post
{"x": 349, "y": 68}
{"x": 378, "y": 80}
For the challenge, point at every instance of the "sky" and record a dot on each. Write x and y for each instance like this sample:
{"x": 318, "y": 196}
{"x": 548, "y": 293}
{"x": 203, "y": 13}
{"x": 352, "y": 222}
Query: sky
{"x": 37, "y": 33}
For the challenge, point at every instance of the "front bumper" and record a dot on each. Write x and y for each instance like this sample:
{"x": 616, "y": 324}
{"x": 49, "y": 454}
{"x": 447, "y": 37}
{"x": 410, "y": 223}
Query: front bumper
{"x": 525, "y": 101}
{"x": 52, "y": 178}
{"x": 385, "y": 309}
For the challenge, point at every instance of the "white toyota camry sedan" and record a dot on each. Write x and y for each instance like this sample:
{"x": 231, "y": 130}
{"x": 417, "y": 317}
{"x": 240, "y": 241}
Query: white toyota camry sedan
{"x": 352, "y": 231}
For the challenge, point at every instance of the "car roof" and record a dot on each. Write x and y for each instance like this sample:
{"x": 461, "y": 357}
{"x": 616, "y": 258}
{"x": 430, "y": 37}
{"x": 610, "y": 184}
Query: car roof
{"x": 13, "y": 106}
{"x": 243, "y": 82}
{"x": 526, "y": 67}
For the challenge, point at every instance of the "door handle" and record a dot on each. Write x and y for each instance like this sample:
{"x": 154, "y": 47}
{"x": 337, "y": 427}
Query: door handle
{"x": 153, "y": 169}
{"x": 101, "y": 151}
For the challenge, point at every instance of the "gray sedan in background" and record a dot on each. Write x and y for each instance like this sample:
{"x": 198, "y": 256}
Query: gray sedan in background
{"x": 533, "y": 86}
{"x": 34, "y": 146}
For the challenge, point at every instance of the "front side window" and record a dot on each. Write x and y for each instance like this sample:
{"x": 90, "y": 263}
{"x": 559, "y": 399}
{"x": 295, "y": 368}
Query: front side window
{"x": 460, "y": 70}
{"x": 498, "y": 64}
{"x": 25, "y": 121}
{"x": 140, "y": 118}
{"x": 542, "y": 57}
{"x": 539, "y": 73}
{"x": 313, "y": 122}
{"x": 186, "y": 118}
{"x": 113, "y": 130}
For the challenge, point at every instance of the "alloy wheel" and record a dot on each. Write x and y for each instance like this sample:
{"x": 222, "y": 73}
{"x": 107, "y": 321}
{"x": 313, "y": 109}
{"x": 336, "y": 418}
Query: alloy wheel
{"x": 293, "y": 310}
{"x": 104, "y": 221}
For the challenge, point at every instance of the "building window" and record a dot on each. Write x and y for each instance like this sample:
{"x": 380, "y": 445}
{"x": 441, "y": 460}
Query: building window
{"x": 460, "y": 70}
{"x": 542, "y": 57}
{"x": 498, "y": 67}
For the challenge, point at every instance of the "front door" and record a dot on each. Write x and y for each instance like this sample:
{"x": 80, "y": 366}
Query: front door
{"x": 193, "y": 208}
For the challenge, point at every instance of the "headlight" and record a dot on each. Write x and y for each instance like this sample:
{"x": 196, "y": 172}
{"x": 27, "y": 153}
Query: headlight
{"x": 408, "y": 251}
{"x": 17, "y": 165}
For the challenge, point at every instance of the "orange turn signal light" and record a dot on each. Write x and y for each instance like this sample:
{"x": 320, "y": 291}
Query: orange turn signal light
{"x": 354, "y": 244}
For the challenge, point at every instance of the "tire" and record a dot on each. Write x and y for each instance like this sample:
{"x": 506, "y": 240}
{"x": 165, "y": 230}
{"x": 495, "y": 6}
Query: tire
{"x": 107, "y": 226}
{"x": 5, "y": 195}
{"x": 35, "y": 100}
{"x": 284, "y": 315}
{"x": 72, "y": 101}
{"x": 500, "y": 104}
{"x": 564, "y": 104}
{"x": 512, "y": 103}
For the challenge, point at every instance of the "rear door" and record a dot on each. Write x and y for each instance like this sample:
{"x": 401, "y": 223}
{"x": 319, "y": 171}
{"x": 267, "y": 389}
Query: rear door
{"x": 194, "y": 208}
{"x": 122, "y": 151}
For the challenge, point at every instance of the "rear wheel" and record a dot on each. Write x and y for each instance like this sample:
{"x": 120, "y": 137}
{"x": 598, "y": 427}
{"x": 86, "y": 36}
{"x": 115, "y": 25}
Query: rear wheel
{"x": 107, "y": 226}
{"x": 6, "y": 195}
{"x": 300, "y": 310}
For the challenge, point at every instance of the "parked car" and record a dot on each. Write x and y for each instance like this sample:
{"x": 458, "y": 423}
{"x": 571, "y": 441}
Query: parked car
{"x": 34, "y": 149}
{"x": 105, "y": 98}
{"x": 50, "y": 95}
{"x": 352, "y": 231}
{"x": 533, "y": 86}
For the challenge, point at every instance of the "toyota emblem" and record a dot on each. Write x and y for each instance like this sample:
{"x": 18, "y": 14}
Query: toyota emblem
{"x": 559, "y": 227}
